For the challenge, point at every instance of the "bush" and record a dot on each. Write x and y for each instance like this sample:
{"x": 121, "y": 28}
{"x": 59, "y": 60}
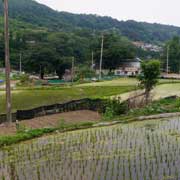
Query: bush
{"x": 24, "y": 80}
{"x": 30, "y": 134}
{"x": 109, "y": 113}
{"x": 114, "y": 108}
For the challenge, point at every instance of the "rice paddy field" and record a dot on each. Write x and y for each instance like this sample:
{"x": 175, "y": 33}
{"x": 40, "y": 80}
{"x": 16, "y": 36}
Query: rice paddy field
{"x": 148, "y": 150}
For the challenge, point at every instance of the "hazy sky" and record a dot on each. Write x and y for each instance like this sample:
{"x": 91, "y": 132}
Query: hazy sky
{"x": 160, "y": 11}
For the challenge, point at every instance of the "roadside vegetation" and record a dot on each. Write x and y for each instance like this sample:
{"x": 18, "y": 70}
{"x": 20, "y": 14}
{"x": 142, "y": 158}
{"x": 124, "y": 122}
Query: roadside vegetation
{"x": 168, "y": 105}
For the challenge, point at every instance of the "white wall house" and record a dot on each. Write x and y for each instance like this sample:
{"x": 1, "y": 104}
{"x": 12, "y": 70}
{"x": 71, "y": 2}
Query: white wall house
{"x": 130, "y": 67}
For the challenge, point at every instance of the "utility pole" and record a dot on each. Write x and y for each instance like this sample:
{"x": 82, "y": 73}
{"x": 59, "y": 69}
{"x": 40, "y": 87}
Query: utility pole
{"x": 101, "y": 58}
{"x": 20, "y": 63}
{"x": 167, "y": 63}
{"x": 72, "y": 70}
{"x": 7, "y": 62}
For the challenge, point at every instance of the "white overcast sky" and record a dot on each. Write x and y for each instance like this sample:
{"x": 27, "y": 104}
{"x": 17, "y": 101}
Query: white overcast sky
{"x": 160, "y": 11}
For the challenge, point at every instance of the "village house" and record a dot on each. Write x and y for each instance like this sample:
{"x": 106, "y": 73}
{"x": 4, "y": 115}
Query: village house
{"x": 130, "y": 67}
{"x": 148, "y": 47}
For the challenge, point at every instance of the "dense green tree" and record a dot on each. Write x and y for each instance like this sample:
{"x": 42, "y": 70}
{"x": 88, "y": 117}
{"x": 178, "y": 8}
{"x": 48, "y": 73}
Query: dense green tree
{"x": 70, "y": 44}
{"x": 61, "y": 65}
{"x": 48, "y": 40}
{"x": 40, "y": 61}
{"x": 85, "y": 71}
{"x": 116, "y": 49}
{"x": 150, "y": 71}
{"x": 174, "y": 54}
{"x": 32, "y": 12}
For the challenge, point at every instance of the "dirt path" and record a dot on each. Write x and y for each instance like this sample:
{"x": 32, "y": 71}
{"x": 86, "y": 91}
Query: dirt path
{"x": 53, "y": 120}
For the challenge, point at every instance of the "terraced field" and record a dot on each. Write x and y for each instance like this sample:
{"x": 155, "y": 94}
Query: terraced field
{"x": 148, "y": 150}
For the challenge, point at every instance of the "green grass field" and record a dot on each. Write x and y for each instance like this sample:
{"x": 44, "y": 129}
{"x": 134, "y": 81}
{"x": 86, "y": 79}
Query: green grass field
{"x": 124, "y": 82}
{"x": 30, "y": 98}
{"x": 115, "y": 82}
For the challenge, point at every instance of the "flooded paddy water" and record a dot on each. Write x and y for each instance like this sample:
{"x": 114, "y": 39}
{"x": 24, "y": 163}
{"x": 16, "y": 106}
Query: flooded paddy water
{"x": 148, "y": 150}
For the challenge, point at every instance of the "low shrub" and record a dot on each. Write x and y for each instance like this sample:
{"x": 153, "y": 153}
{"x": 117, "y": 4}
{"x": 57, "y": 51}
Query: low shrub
{"x": 158, "y": 107}
{"x": 30, "y": 134}
{"x": 34, "y": 133}
{"x": 24, "y": 80}
{"x": 115, "y": 107}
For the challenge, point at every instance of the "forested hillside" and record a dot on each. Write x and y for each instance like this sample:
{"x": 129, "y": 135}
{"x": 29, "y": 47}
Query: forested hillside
{"x": 30, "y": 11}
{"x": 47, "y": 40}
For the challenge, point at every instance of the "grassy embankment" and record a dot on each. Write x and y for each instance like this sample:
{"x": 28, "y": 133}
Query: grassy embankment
{"x": 27, "y": 98}
{"x": 27, "y": 134}
{"x": 30, "y": 98}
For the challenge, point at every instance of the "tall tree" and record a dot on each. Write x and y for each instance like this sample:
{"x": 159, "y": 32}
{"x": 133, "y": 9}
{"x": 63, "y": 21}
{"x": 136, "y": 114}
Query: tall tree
{"x": 61, "y": 65}
{"x": 149, "y": 76}
{"x": 40, "y": 61}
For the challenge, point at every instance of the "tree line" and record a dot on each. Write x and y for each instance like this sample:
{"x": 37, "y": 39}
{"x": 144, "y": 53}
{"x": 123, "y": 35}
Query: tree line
{"x": 172, "y": 50}
{"x": 48, "y": 52}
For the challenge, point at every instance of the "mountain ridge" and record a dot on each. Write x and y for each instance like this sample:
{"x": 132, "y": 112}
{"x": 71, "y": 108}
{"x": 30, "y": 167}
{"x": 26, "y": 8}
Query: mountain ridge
{"x": 38, "y": 14}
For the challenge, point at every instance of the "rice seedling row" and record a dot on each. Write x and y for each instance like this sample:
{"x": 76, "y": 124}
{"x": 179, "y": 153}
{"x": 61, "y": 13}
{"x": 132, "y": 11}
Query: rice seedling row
{"x": 147, "y": 150}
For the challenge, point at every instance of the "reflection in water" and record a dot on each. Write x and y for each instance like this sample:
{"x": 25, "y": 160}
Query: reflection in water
{"x": 147, "y": 150}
